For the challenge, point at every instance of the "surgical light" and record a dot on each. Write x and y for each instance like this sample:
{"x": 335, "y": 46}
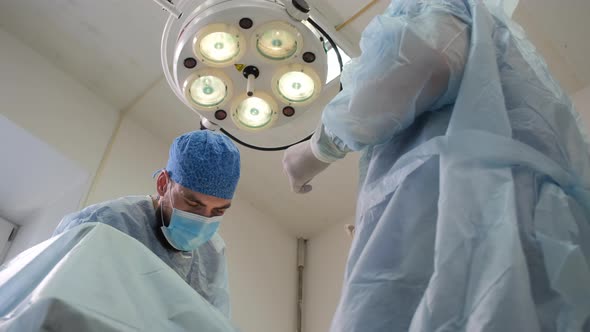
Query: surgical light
{"x": 219, "y": 44}
{"x": 278, "y": 41}
{"x": 255, "y": 113}
{"x": 253, "y": 69}
{"x": 208, "y": 91}
{"x": 296, "y": 86}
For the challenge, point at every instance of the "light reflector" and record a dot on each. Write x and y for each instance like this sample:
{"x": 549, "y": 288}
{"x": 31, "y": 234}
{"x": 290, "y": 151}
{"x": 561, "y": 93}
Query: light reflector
{"x": 208, "y": 91}
{"x": 254, "y": 113}
{"x": 277, "y": 44}
{"x": 296, "y": 86}
{"x": 278, "y": 40}
{"x": 219, "y": 45}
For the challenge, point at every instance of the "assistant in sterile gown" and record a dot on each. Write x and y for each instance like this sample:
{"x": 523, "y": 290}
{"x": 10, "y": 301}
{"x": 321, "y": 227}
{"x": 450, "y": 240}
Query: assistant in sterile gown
{"x": 474, "y": 204}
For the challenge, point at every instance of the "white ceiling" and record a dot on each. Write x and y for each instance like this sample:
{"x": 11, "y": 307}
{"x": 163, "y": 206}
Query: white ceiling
{"x": 110, "y": 46}
{"x": 113, "y": 48}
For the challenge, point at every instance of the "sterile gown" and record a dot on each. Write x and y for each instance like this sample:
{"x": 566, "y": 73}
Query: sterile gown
{"x": 93, "y": 277}
{"x": 474, "y": 205}
{"x": 205, "y": 269}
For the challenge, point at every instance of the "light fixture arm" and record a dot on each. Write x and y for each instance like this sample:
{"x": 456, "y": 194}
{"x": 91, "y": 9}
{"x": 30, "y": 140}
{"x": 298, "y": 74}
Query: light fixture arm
{"x": 297, "y": 9}
{"x": 168, "y": 6}
{"x": 206, "y": 124}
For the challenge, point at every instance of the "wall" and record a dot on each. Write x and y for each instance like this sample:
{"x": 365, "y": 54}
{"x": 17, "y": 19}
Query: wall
{"x": 68, "y": 118}
{"x": 261, "y": 256}
{"x": 6, "y": 229}
{"x": 41, "y": 224}
{"x": 135, "y": 155}
{"x": 52, "y": 106}
{"x": 262, "y": 261}
{"x": 324, "y": 271}
{"x": 33, "y": 197}
{"x": 582, "y": 101}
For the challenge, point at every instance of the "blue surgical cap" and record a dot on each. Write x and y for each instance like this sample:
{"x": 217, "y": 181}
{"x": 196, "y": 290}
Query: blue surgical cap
{"x": 205, "y": 162}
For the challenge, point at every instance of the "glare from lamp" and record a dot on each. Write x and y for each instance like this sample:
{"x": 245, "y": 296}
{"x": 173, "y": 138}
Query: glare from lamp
{"x": 208, "y": 91}
{"x": 296, "y": 86}
{"x": 219, "y": 47}
{"x": 277, "y": 44}
{"x": 254, "y": 113}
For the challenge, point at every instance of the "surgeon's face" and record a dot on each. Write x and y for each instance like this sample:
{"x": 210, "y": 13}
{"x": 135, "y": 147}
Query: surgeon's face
{"x": 174, "y": 195}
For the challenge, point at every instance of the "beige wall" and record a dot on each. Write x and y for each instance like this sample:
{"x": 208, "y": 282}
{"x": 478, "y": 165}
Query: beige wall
{"x": 37, "y": 96}
{"x": 74, "y": 123}
{"x": 324, "y": 271}
{"x": 262, "y": 269}
{"x": 134, "y": 156}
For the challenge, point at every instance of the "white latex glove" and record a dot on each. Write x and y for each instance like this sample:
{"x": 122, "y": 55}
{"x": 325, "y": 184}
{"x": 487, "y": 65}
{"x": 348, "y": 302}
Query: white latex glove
{"x": 301, "y": 166}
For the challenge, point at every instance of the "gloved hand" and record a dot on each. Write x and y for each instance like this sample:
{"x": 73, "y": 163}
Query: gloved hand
{"x": 301, "y": 166}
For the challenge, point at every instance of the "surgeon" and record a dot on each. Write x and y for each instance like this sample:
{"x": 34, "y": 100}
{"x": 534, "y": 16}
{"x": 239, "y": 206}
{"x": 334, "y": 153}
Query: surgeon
{"x": 180, "y": 223}
{"x": 473, "y": 211}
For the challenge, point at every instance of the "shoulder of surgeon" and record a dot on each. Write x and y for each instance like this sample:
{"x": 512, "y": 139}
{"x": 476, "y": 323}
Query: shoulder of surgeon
{"x": 217, "y": 243}
{"x": 125, "y": 213}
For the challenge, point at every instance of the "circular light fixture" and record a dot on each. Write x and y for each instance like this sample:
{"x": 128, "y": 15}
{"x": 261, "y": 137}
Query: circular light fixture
{"x": 219, "y": 45}
{"x": 278, "y": 40}
{"x": 207, "y": 55}
{"x": 254, "y": 113}
{"x": 296, "y": 84}
{"x": 207, "y": 89}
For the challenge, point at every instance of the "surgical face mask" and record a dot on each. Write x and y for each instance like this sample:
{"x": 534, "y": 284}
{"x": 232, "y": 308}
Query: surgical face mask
{"x": 187, "y": 231}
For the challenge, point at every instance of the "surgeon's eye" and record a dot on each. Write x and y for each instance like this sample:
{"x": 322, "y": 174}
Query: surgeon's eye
{"x": 193, "y": 203}
{"x": 218, "y": 212}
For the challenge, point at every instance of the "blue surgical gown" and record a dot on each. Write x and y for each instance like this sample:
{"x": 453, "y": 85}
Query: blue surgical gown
{"x": 205, "y": 269}
{"x": 95, "y": 278}
{"x": 473, "y": 210}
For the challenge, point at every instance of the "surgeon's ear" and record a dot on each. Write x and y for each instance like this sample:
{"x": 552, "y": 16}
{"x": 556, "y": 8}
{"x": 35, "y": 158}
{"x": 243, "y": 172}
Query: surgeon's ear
{"x": 162, "y": 183}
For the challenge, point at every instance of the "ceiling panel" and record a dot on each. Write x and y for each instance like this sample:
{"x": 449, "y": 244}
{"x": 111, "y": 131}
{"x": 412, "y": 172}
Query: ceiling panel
{"x": 110, "y": 46}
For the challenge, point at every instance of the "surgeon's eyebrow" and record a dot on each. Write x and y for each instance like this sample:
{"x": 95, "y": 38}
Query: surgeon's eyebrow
{"x": 191, "y": 197}
{"x": 226, "y": 206}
